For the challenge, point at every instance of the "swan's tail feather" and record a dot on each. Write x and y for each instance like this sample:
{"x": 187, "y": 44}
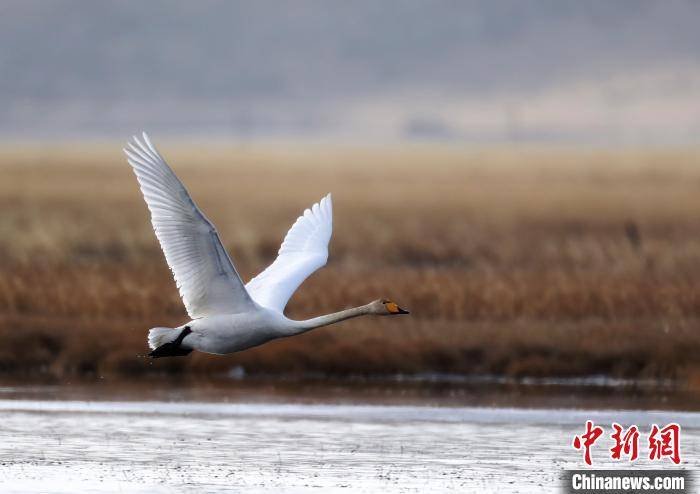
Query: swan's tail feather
{"x": 160, "y": 336}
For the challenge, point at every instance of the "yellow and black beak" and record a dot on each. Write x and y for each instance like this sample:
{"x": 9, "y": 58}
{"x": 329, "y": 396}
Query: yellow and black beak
{"x": 395, "y": 309}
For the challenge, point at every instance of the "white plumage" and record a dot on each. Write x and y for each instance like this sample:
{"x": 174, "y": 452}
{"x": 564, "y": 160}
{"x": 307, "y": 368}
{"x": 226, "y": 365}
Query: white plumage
{"x": 303, "y": 251}
{"x": 226, "y": 315}
{"x": 205, "y": 276}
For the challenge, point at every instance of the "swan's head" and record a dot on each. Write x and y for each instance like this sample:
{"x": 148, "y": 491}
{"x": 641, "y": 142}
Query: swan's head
{"x": 385, "y": 307}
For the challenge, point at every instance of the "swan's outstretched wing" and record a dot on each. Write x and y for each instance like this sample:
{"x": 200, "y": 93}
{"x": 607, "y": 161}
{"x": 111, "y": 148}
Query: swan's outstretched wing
{"x": 205, "y": 276}
{"x": 304, "y": 250}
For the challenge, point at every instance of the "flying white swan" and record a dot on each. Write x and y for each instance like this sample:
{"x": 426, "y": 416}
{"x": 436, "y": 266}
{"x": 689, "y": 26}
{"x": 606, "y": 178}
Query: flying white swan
{"x": 228, "y": 316}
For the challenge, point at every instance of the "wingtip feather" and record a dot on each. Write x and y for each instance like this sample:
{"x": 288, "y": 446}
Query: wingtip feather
{"x": 327, "y": 204}
{"x": 148, "y": 142}
{"x": 142, "y": 148}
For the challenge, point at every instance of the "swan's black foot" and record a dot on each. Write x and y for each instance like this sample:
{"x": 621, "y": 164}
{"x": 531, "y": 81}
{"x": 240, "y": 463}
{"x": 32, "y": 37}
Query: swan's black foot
{"x": 169, "y": 350}
{"x": 174, "y": 348}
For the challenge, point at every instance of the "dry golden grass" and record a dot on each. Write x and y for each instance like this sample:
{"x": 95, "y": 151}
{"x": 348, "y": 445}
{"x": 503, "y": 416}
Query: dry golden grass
{"x": 518, "y": 262}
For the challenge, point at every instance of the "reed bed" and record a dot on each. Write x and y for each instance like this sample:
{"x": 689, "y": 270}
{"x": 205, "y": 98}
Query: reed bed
{"x": 517, "y": 262}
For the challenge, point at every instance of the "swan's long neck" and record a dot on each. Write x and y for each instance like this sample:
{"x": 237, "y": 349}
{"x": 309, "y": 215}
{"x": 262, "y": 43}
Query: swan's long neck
{"x": 317, "y": 322}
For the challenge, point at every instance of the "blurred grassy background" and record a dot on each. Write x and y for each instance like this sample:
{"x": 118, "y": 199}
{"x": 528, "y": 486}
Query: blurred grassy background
{"x": 518, "y": 261}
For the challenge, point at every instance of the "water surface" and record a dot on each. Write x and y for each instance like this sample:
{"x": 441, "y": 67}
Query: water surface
{"x": 222, "y": 438}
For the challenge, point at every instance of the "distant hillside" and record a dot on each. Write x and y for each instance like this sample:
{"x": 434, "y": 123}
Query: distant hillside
{"x": 624, "y": 71}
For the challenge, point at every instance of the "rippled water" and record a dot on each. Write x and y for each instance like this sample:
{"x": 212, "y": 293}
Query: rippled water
{"x": 69, "y": 445}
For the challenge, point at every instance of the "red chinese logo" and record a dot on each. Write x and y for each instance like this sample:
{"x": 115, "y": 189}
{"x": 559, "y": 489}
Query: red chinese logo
{"x": 587, "y": 440}
{"x": 665, "y": 443}
{"x": 662, "y": 442}
{"x": 627, "y": 443}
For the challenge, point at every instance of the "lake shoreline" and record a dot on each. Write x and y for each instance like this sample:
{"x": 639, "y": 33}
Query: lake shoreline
{"x": 484, "y": 391}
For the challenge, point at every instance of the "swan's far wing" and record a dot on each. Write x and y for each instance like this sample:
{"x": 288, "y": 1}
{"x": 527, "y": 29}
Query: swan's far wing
{"x": 304, "y": 250}
{"x": 207, "y": 281}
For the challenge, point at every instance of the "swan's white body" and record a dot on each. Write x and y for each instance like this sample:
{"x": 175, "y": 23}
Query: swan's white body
{"x": 229, "y": 333}
{"x": 228, "y": 316}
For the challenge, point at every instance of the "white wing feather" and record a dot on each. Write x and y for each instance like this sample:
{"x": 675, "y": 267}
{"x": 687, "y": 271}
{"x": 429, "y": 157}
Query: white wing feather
{"x": 206, "y": 278}
{"x": 303, "y": 251}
